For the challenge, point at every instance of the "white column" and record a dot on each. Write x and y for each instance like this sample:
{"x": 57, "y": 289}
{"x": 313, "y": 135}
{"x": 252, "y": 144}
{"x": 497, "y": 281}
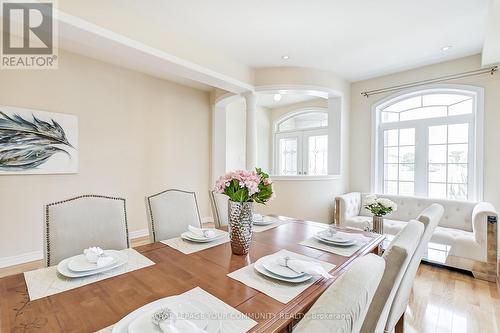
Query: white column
{"x": 251, "y": 130}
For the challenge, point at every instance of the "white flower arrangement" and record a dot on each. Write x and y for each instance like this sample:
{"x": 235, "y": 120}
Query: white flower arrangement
{"x": 379, "y": 206}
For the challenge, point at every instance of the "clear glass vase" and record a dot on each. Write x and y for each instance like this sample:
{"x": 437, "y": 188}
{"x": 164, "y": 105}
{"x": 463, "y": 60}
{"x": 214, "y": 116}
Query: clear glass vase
{"x": 240, "y": 226}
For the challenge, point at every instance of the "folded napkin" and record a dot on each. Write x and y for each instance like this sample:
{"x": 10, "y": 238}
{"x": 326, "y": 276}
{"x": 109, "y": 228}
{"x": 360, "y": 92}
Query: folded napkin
{"x": 96, "y": 255}
{"x": 302, "y": 266}
{"x": 207, "y": 233}
{"x": 167, "y": 321}
{"x": 257, "y": 217}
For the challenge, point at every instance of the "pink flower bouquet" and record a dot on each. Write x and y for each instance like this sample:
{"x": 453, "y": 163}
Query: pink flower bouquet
{"x": 246, "y": 186}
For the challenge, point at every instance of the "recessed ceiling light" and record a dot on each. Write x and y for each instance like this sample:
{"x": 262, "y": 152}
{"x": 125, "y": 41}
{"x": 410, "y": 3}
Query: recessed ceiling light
{"x": 285, "y": 57}
{"x": 446, "y": 48}
{"x": 277, "y": 97}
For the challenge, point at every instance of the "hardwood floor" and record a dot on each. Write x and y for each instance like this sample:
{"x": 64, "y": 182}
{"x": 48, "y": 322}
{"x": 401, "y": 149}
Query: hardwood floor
{"x": 448, "y": 301}
{"x": 442, "y": 300}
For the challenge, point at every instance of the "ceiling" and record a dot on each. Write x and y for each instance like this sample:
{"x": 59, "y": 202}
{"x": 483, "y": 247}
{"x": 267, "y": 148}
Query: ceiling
{"x": 356, "y": 39}
{"x": 267, "y": 100}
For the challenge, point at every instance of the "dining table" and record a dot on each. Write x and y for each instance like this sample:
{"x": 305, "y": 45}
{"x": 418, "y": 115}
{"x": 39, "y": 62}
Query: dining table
{"x": 95, "y": 306}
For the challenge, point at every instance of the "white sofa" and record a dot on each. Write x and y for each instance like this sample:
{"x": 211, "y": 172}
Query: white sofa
{"x": 464, "y": 227}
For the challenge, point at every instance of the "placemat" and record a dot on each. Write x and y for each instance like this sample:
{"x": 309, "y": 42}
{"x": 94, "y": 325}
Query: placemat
{"x": 47, "y": 281}
{"x": 281, "y": 291}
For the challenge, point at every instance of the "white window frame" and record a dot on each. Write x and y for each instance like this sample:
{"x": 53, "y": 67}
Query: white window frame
{"x": 476, "y": 136}
{"x": 302, "y": 142}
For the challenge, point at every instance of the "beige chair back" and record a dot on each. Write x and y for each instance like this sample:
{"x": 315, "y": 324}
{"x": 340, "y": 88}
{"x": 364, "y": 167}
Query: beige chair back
{"x": 430, "y": 217}
{"x": 170, "y": 212}
{"x": 397, "y": 258}
{"x": 220, "y": 208}
{"x": 75, "y": 224}
{"x": 346, "y": 300}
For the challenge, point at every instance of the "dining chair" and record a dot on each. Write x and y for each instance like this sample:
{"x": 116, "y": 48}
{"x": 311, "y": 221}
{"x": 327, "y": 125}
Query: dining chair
{"x": 397, "y": 258}
{"x": 220, "y": 207}
{"x": 75, "y": 224}
{"x": 430, "y": 217}
{"x": 170, "y": 212}
{"x": 347, "y": 300}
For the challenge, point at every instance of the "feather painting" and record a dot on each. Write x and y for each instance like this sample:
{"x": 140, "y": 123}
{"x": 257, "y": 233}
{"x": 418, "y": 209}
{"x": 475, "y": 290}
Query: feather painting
{"x": 37, "y": 142}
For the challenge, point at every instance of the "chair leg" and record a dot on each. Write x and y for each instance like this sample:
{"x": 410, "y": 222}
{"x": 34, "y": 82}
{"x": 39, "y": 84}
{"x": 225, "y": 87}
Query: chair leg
{"x": 400, "y": 325}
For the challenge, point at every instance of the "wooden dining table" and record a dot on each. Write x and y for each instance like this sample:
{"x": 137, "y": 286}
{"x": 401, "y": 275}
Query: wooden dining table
{"x": 94, "y": 306}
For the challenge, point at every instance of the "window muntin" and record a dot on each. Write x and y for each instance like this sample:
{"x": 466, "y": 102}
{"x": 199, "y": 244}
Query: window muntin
{"x": 425, "y": 145}
{"x": 302, "y": 144}
{"x": 399, "y": 161}
{"x": 317, "y": 154}
{"x": 313, "y": 119}
{"x": 424, "y": 106}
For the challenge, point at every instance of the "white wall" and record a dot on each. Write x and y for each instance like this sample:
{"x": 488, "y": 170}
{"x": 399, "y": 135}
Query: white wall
{"x": 360, "y": 124}
{"x": 137, "y": 136}
{"x": 235, "y": 136}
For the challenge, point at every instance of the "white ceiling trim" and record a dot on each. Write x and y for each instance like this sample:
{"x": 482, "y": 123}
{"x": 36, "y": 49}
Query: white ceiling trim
{"x": 80, "y": 36}
{"x": 491, "y": 47}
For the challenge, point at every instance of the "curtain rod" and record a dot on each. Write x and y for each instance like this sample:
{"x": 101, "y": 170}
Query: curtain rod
{"x": 490, "y": 70}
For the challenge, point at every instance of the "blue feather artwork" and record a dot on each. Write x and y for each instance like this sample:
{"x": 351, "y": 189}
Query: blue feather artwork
{"x": 37, "y": 142}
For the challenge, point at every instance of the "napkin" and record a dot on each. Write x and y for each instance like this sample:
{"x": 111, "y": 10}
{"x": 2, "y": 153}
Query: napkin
{"x": 96, "y": 255}
{"x": 166, "y": 320}
{"x": 207, "y": 233}
{"x": 302, "y": 266}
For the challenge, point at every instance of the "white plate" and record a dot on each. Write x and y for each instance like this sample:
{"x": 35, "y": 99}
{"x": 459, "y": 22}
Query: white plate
{"x": 121, "y": 259}
{"x": 333, "y": 237}
{"x": 259, "y": 268}
{"x": 264, "y": 221}
{"x": 178, "y": 304}
{"x": 187, "y": 236}
{"x": 351, "y": 242}
{"x": 80, "y": 263}
{"x": 272, "y": 265}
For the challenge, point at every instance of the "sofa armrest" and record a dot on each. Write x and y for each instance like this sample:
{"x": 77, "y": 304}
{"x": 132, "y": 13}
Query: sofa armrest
{"x": 480, "y": 220}
{"x": 347, "y": 205}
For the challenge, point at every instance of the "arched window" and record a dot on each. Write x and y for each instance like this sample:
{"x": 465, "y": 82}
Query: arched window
{"x": 301, "y": 143}
{"x": 429, "y": 143}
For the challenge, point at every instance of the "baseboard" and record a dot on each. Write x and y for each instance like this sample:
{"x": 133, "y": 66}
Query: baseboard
{"x": 38, "y": 255}
{"x": 21, "y": 258}
{"x": 138, "y": 233}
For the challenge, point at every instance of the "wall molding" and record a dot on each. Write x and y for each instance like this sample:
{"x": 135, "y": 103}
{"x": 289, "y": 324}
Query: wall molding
{"x": 21, "y": 258}
{"x": 24, "y": 258}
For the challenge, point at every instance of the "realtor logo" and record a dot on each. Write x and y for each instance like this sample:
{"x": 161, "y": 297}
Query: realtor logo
{"x": 28, "y": 35}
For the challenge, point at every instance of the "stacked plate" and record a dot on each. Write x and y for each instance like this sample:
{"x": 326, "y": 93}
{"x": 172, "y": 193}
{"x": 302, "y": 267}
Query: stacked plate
{"x": 79, "y": 266}
{"x": 192, "y": 237}
{"x": 270, "y": 267}
{"x": 334, "y": 238}
{"x": 197, "y": 313}
{"x": 262, "y": 220}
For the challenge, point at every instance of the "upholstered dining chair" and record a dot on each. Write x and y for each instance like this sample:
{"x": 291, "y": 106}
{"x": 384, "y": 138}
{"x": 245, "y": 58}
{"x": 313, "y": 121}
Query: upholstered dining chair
{"x": 75, "y": 224}
{"x": 170, "y": 212}
{"x": 346, "y": 300}
{"x": 220, "y": 208}
{"x": 430, "y": 217}
{"x": 397, "y": 258}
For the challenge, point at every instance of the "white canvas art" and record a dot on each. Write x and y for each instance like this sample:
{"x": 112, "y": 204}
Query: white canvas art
{"x": 37, "y": 142}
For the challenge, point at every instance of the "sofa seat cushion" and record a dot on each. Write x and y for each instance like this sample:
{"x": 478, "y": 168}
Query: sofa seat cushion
{"x": 462, "y": 243}
{"x": 391, "y": 227}
{"x": 449, "y": 236}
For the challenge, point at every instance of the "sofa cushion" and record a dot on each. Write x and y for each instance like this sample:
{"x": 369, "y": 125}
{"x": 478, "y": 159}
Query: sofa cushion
{"x": 449, "y": 236}
{"x": 462, "y": 244}
{"x": 391, "y": 227}
{"x": 457, "y": 214}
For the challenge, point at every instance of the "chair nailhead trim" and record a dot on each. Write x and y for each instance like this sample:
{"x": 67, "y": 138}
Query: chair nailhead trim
{"x": 47, "y": 218}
